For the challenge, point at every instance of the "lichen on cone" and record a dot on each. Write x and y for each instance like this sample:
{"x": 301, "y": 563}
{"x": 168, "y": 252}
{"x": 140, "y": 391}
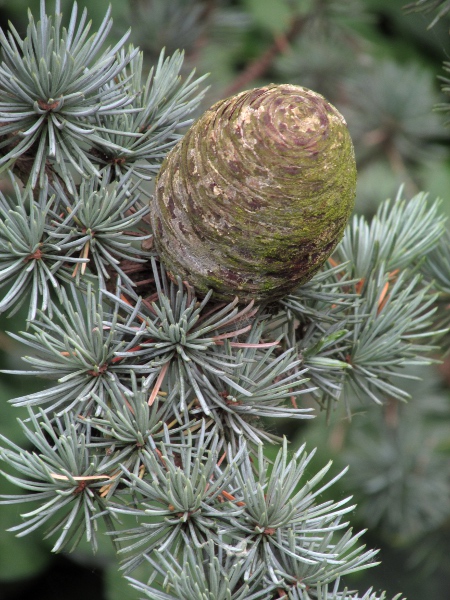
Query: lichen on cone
{"x": 255, "y": 197}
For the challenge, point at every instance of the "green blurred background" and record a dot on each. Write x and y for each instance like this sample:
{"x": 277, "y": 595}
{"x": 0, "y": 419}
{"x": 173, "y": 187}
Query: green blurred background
{"x": 381, "y": 67}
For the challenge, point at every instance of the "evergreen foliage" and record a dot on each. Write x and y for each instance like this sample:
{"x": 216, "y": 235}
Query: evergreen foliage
{"x": 442, "y": 7}
{"x": 154, "y": 417}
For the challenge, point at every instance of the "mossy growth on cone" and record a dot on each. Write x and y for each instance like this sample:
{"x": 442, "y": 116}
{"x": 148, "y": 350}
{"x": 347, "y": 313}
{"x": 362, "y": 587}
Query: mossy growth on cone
{"x": 255, "y": 197}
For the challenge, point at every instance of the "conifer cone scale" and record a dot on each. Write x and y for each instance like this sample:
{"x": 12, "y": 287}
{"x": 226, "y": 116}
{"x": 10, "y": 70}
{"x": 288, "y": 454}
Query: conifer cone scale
{"x": 255, "y": 197}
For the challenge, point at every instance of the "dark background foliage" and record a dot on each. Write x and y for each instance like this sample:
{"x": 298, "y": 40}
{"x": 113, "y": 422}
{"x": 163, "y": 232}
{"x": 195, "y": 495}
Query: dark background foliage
{"x": 381, "y": 66}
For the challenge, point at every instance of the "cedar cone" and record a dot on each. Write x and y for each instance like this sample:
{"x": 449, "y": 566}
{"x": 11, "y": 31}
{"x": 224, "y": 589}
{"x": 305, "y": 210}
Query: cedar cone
{"x": 255, "y": 197}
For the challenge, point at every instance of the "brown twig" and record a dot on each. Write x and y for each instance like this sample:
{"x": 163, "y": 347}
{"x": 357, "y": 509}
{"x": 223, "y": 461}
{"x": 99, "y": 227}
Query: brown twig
{"x": 259, "y": 66}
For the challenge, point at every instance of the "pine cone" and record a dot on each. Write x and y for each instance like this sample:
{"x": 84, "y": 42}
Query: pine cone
{"x": 255, "y": 197}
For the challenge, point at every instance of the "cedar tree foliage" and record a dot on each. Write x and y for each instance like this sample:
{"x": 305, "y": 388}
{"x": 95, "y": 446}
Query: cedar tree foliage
{"x": 154, "y": 417}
